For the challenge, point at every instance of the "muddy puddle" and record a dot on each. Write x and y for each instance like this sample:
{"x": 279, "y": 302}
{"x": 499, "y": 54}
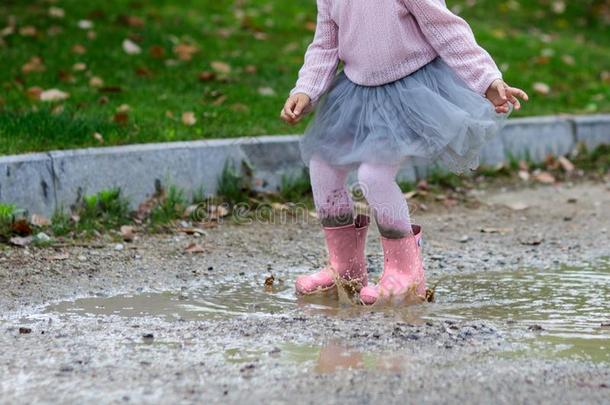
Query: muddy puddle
{"x": 563, "y": 312}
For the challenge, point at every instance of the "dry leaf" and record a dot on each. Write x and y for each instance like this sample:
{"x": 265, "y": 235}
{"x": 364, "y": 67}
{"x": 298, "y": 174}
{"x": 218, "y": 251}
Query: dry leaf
{"x": 544, "y": 178}
{"x": 96, "y": 82}
{"x": 79, "y": 49}
{"x": 33, "y": 65}
{"x": 56, "y": 12}
{"x": 194, "y": 248}
{"x": 156, "y": 51}
{"x": 58, "y": 257}
{"x": 221, "y": 67}
{"x": 206, "y": 76}
{"x": 127, "y": 233}
{"x": 250, "y": 69}
{"x": 34, "y": 93}
{"x": 266, "y": 91}
{"x": 542, "y": 88}
{"x": 39, "y": 220}
{"x": 20, "y": 241}
{"x": 565, "y": 164}
{"x": 517, "y": 206}
{"x": 123, "y": 108}
{"x": 188, "y": 118}
{"x": 27, "y": 31}
{"x": 85, "y": 24}
{"x": 524, "y": 175}
{"x": 121, "y": 118}
{"x": 131, "y": 48}
{"x": 185, "y": 52}
{"x": 98, "y": 137}
{"x": 53, "y": 95}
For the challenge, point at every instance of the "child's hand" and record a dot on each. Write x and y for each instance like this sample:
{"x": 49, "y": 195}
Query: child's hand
{"x": 500, "y": 94}
{"x": 295, "y": 108}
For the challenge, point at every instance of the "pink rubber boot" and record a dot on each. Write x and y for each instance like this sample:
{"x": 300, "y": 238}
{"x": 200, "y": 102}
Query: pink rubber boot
{"x": 347, "y": 262}
{"x": 403, "y": 277}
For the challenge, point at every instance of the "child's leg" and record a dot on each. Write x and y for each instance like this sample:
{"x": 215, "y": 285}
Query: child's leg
{"x": 390, "y": 209}
{"x": 403, "y": 271}
{"x": 345, "y": 238}
{"x": 333, "y": 202}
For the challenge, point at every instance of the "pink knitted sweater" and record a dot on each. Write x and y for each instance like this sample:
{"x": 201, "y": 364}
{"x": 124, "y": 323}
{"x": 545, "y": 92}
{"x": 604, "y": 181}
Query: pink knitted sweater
{"x": 380, "y": 41}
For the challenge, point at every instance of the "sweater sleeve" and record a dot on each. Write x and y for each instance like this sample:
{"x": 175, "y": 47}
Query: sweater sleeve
{"x": 321, "y": 58}
{"x": 454, "y": 41}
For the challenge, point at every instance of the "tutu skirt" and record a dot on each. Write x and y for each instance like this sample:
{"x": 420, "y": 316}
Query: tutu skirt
{"x": 428, "y": 116}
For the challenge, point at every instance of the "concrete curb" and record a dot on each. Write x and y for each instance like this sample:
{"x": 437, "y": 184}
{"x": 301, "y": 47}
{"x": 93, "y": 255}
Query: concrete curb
{"x": 44, "y": 182}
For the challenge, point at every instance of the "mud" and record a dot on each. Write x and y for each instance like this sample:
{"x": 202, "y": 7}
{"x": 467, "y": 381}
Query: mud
{"x": 521, "y": 314}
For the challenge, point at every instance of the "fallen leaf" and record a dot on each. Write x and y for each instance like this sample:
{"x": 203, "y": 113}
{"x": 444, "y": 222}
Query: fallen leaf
{"x": 517, "y": 206}
{"x": 79, "y": 49}
{"x": 33, "y": 65}
{"x": 188, "y": 118}
{"x": 194, "y": 248}
{"x": 123, "y": 108}
{"x": 21, "y": 241}
{"x": 206, "y": 76}
{"x": 185, "y": 52}
{"x": 266, "y": 91}
{"x": 34, "y": 93}
{"x": 79, "y": 67}
{"x": 58, "y": 257}
{"x": 542, "y": 88}
{"x": 250, "y": 69}
{"x": 192, "y": 231}
{"x": 221, "y": 67}
{"x": 121, "y": 118}
{"x": 56, "y": 12}
{"x": 98, "y": 137}
{"x": 28, "y": 31}
{"x": 144, "y": 72}
{"x": 53, "y": 95}
{"x": 131, "y": 48}
{"x": 565, "y": 164}
{"x": 544, "y": 178}
{"x": 96, "y": 82}
{"x": 85, "y": 24}
{"x": 269, "y": 281}
{"x": 39, "y": 220}
{"x": 496, "y": 230}
{"x": 220, "y": 100}
{"x": 156, "y": 51}
{"x": 524, "y": 175}
{"x": 127, "y": 233}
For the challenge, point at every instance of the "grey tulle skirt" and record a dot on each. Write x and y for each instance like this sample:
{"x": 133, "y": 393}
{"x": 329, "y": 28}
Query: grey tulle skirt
{"x": 428, "y": 116}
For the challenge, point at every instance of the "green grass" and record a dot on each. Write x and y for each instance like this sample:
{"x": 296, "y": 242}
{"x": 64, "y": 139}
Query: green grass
{"x": 107, "y": 209}
{"x": 171, "y": 208}
{"x": 263, "y": 43}
{"x": 294, "y": 188}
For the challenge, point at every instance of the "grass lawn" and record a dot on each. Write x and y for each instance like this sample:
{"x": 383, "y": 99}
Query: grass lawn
{"x": 162, "y": 70}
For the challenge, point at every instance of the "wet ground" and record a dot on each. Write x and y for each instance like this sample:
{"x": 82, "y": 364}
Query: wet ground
{"x": 522, "y": 314}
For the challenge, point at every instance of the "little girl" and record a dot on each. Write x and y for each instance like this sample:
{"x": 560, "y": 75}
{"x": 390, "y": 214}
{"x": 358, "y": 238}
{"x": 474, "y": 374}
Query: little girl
{"x": 415, "y": 85}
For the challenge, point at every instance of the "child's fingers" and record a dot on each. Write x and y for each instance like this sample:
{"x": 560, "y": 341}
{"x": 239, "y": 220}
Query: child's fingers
{"x": 301, "y": 104}
{"x": 289, "y": 106}
{"x": 504, "y": 108}
{"x": 519, "y": 93}
{"x": 514, "y": 102}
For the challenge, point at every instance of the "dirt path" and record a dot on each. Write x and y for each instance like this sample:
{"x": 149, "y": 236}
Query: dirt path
{"x": 256, "y": 347}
